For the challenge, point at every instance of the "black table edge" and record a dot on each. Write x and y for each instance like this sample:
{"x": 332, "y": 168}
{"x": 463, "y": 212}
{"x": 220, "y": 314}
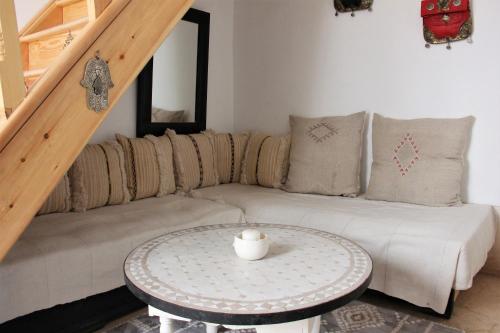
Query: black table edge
{"x": 248, "y": 319}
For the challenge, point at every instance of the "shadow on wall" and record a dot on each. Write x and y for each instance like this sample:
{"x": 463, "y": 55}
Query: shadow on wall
{"x": 365, "y": 162}
{"x": 493, "y": 263}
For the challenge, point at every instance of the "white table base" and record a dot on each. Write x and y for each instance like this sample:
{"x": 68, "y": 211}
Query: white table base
{"x": 311, "y": 325}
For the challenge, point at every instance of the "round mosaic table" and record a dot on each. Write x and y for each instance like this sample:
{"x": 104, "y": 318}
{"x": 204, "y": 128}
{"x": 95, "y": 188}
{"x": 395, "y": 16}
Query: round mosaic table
{"x": 194, "y": 274}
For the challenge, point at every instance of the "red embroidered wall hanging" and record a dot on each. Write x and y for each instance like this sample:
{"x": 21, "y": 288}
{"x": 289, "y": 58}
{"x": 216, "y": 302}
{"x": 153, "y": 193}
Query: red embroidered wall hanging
{"x": 350, "y": 6}
{"x": 446, "y": 21}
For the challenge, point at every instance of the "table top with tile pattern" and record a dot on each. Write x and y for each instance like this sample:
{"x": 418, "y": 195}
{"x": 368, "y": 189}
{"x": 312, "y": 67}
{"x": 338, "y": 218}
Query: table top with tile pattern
{"x": 196, "y": 273}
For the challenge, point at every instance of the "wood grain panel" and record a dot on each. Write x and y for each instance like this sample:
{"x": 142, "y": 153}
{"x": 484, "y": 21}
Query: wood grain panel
{"x": 74, "y": 11}
{"x": 96, "y": 7}
{"x": 48, "y": 142}
{"x": 43, "y": 53}
{"x": 30, "y": 81}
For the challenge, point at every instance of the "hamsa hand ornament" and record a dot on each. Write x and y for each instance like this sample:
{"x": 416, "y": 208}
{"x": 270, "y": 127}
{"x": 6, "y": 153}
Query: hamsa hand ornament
{"x": 97, "y": 81}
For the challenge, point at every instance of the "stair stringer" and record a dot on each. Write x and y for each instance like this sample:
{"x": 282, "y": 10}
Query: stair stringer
{"x": 47, "y": 133}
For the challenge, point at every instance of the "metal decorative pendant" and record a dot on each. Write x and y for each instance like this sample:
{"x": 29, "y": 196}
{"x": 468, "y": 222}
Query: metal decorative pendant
{"x": 446, "y": 21}
{"x": 97, "y": 81}
{"x": 350, "y": 6}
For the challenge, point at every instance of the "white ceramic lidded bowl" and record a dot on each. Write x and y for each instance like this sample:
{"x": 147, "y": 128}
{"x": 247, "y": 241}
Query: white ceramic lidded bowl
{"x": 251, "y": 245}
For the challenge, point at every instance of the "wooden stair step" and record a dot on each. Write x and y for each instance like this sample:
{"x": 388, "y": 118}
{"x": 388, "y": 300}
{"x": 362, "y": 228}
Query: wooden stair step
{"x": 34, "y": 72}
{"x": 41, "y": 53}
{"x": 32, "y": 76}
{"x": 63, "y": 3}
{"x": 73, "y": 25}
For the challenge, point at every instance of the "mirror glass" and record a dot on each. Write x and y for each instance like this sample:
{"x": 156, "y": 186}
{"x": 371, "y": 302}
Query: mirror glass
{"x": 174, "y": 76}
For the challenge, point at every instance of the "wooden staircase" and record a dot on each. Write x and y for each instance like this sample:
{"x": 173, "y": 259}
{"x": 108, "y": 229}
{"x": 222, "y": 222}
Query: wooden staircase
{"x": 44, "y": 128}
{"x": 52, "y": 31}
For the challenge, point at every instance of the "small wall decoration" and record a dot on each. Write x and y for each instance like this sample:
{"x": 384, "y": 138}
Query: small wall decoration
{"x": 69, "y": 39}
{"x": 350, "y": 6}
{"x": 446, "y": 21}
{"x": 97, "y": 80}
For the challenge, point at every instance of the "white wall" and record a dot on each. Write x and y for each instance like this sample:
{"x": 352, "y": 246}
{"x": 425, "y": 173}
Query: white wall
{"x": 295, "y": 56}
{"x": 26, "y": 9}
{"x": 220, "y": 101}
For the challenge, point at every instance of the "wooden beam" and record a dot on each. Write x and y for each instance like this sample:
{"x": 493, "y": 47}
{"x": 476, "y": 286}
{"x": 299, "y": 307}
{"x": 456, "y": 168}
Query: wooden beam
{"x": 65, "y": 27}
{"x": 12, "y": 90}
{"x": 50, "y": 139}
{"x": 96, "y": 7}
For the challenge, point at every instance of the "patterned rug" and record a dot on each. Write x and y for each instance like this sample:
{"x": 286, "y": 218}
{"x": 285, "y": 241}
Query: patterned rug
{"x": 357, "y": 317}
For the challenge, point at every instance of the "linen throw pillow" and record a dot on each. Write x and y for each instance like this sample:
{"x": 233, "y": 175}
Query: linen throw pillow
{"x": 194, "y": 158}
{"x": 149, "y": 166}
{"x": 229, "y": 154}
{"x": 59, "y": 201}
{"x": 325, "y": 156}
{"x": 419, "y": 161}
{"x": 98, "y": 177}
{"x": 266, "y": 160}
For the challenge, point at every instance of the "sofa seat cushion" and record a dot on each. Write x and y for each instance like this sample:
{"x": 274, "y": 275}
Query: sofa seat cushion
{"x": 66, "y": 257}
{"x": 420, "y": 253}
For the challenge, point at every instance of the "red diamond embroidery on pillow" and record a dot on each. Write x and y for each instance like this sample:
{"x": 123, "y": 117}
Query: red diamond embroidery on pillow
{"x": 406, "y": 154}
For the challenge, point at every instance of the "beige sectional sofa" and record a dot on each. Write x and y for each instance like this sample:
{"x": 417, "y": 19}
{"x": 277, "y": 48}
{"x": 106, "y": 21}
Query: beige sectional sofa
{"x": 420, "y": 253}
{"x": 66, "y": 257}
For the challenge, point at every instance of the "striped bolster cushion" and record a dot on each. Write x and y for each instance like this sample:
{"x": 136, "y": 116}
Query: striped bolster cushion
{"x": 194, "y": 158}
{"x": 229, "y": 153}
{"x": 274, "y": 161}
{"x": 59, "y": 201}
{"x": 149, "y": 166}
{"x": 266, "y": 160}
{"x": 165, "y": 155}
{"x": 98, "y": 177}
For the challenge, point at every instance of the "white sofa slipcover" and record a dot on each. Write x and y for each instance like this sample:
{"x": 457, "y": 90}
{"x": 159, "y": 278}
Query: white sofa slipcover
{"x": 67, "y": 257}
{"x": 420, "y": 253}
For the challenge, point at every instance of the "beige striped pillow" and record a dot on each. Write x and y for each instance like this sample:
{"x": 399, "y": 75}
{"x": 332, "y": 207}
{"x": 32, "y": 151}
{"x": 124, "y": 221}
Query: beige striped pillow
{"x": 149, "y": 166}
{"x": 59, "y": 201}
{"x": 266, "y": 160}
{"x": 165, "y": 155}
{"x": 273, "y": 162}
{"x": 229, "y": 154}
{"x": 194, "y": 158}
{"x": 98, "y": 177}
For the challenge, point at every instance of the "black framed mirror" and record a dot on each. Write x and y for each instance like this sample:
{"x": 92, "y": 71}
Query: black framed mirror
{"x": 172, "y": 88}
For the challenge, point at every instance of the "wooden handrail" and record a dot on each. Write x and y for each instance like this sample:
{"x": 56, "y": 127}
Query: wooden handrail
{"x": 52, "y": 125}
{"x": 11, "y": 71}
{"x": 73, "y": 25}
{"x": 2, "y": 45}
{"x": 55, "y": 73}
